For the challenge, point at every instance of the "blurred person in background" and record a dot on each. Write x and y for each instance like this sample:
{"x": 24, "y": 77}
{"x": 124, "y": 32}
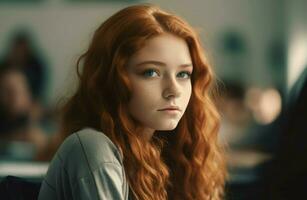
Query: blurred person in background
{"x": 246, "y": 138}
{"x": 19, "y": 114}
{"x": 21, "y": 53}
{"x": 235, "y": 116}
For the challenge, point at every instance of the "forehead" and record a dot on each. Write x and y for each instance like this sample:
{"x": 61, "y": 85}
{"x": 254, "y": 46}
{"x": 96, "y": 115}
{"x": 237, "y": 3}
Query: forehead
{"x": 166, "y": 48}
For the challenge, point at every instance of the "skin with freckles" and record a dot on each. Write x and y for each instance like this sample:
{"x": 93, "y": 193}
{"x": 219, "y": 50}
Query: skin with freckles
{"x": 159, "y": 74}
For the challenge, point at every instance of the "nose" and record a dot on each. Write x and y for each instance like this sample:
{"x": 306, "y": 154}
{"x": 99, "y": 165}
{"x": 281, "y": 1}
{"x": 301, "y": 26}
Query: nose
{"x": 171, "y": 88}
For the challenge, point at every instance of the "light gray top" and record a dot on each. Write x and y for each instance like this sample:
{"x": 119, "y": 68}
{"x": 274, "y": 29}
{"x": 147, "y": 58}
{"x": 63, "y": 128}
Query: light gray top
{"x": 86, "y": 166}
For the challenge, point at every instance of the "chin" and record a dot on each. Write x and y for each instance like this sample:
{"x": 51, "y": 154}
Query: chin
{"x": 168, "y": 127}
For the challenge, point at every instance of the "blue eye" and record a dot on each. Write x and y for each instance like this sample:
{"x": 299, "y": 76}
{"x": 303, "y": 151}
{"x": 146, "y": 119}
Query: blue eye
{"x": 154, "y": 73}
{"x": 184, "y": 74}
{"x": 150, "y": 73}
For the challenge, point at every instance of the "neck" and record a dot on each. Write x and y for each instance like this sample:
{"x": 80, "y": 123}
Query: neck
{"x": 147, "y": 133}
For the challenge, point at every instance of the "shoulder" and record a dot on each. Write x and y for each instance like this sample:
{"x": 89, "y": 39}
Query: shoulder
{"x": 86, "y": 165}
{"x": 90, "y": 147}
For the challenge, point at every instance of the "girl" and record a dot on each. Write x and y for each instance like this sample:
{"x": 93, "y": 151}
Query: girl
{"x": 141, "y": 124}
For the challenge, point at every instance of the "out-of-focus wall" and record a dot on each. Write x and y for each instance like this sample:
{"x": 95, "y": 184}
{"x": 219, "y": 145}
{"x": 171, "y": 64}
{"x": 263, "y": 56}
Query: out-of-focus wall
{"x": 297, "y": 39}
{"x": 63, "y": 30}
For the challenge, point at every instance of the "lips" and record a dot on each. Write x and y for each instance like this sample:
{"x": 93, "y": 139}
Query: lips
{"x": 170, "y": 108}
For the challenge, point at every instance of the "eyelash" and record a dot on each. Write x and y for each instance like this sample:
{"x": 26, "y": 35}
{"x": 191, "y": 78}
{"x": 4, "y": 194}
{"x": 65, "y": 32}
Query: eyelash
{"x": 152, "y": 70}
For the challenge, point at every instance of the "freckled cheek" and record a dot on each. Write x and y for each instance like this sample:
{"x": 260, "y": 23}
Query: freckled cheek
{"x": 187, "y": 94}
{"x": 145, "y": 96}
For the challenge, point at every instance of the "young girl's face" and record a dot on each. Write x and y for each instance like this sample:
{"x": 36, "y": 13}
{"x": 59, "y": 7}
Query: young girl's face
{"x": 160, "y": 77}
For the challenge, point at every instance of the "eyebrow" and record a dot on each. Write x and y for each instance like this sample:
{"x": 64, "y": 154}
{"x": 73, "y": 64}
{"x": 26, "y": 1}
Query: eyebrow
{"x": 161, "y": 63}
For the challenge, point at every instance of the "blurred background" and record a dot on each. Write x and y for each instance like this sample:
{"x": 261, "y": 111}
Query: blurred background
{"x": 259, "y": 53}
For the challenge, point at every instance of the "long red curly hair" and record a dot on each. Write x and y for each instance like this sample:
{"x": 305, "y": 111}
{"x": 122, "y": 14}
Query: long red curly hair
{"x": 184, "y": 163}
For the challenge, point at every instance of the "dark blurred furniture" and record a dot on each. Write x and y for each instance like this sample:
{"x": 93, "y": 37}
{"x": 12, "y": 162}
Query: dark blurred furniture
{"x": 287, "y": 175}
{"x": 16, "y": 188}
